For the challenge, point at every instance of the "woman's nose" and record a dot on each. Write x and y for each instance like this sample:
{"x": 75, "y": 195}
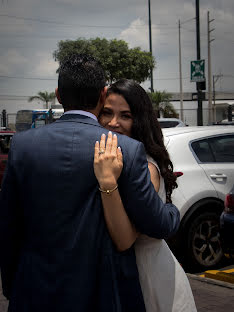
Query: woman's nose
{"x": 113, "y": 122}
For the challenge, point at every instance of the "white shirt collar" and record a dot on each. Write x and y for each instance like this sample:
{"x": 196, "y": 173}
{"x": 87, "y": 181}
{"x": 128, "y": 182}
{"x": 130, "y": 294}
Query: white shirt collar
{"x": 81, "y": 112}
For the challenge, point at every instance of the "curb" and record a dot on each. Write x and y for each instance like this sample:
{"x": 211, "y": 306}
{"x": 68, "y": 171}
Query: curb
{"x": 210, "y": 281}
{"x": 225, "y": 276}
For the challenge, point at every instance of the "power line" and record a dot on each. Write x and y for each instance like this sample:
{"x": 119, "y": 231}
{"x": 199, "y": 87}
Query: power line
{"x": 26, "y": 78}
{"x": 228, "y": 76}
{"x": 55, "y": 79}
{"x": 84, "y": 25}
{"x": 186, "y": 21}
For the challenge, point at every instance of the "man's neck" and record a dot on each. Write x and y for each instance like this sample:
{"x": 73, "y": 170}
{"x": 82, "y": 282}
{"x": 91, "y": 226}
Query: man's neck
{"x": 92, "y": 111}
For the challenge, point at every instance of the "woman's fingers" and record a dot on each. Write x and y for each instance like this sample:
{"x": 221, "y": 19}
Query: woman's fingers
{"x": 114, "y": 144}
{"x": 109, "y": 142}
{"x": 96, "y": 151}
{"x": 107, "y": 147}
{"x": 102, "y": 143}
{"x": 119, "y": 155}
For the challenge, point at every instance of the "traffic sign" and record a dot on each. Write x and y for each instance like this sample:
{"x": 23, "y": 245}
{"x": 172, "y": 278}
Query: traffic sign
{"x": 198, "y": 71}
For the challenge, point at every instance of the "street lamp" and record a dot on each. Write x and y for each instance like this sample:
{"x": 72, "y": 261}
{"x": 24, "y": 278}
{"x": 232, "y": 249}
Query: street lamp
{"x": 150, "y": 46}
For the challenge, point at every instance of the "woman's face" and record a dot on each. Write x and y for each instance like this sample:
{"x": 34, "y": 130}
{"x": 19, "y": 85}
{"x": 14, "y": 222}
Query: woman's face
{"x": 116, "y": 115}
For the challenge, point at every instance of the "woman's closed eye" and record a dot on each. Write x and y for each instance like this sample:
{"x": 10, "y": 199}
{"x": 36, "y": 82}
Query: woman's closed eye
{"x": 126, "y": 116}
{"x": 106, "y": 113}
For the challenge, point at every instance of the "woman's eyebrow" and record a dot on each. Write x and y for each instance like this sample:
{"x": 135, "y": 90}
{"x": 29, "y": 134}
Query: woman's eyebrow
{"x": 126, "y": 111}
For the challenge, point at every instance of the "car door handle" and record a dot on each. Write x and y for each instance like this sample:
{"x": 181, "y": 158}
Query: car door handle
{"x": 218, "y": 176}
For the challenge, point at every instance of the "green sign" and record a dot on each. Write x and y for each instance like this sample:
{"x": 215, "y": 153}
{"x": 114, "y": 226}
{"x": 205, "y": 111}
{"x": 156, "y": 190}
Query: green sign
{"x": 198, "y": 71}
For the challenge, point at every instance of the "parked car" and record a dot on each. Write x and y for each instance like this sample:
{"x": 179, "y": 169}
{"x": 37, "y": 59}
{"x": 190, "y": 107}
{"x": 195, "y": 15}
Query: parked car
{"x": 227, "y": 224}
{"x": 203, "y": 159}
{"x": 224, "y": 122}
{"x": 5, "y": 140}
{"x": 171, "y": 122}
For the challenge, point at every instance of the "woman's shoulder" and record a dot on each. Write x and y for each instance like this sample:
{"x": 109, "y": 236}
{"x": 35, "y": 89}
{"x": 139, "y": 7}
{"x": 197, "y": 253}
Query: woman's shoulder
{"x": 152, "y": 161}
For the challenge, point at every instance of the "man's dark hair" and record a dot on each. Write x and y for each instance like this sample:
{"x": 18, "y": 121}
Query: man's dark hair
{"x": 81, "y": 79}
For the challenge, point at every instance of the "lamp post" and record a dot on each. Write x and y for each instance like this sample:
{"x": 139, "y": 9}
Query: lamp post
{"x": 150, "y": 46}
{"x": 181, "y": 86}
{"x": 199, "y": 91}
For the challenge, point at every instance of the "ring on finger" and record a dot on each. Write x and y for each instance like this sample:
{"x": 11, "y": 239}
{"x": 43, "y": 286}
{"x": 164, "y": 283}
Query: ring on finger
{"x": 101, "y": 151}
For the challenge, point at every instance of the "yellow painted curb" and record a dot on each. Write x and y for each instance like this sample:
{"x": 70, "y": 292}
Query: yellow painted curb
{"x": 225, "y": 276}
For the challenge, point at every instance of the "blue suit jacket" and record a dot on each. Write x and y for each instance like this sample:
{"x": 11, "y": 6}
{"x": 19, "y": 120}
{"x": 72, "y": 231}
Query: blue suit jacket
{"x": 56, "y": 253}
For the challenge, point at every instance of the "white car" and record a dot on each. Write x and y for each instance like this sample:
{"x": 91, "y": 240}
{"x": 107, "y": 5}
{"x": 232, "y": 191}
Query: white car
{"x": 203, "y": 159}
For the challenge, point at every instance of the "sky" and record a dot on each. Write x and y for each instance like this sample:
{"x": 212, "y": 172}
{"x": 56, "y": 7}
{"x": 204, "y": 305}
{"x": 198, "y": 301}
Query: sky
{"x": 30, "y": 31}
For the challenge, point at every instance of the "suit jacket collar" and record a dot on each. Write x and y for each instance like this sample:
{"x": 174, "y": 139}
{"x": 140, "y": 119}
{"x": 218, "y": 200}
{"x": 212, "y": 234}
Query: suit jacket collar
{"x": 78, "y": 118}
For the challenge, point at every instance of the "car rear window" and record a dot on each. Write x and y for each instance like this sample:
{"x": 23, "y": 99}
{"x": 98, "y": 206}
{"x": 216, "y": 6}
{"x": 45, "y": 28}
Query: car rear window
{"x": 215, "y": 149}
{"x": 223, "y": 148}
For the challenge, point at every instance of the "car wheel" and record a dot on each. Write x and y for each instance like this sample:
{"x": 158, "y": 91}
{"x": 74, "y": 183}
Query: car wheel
{"x": 204, "y": 243}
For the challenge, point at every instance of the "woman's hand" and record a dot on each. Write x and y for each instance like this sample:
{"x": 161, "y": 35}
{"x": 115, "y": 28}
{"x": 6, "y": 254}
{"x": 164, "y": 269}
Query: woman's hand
{"x": 108, "y": 161}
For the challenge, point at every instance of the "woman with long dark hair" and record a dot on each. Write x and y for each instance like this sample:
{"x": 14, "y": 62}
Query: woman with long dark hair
{"x": 128, "y": 111}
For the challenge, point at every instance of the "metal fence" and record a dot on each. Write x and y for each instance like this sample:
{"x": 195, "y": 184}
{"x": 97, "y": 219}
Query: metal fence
{"x": 11, "y": 119}
{"x": 7, "y": 120}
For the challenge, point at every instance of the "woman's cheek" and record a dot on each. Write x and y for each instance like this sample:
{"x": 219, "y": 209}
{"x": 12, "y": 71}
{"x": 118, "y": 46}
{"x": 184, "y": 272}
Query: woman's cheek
{"x": 103, "y": 121}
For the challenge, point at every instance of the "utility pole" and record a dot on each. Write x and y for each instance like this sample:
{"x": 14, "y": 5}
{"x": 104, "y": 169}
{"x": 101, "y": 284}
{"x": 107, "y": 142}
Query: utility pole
{"x": 199, "y": 90}
{"x": 181, "y": 86}
{"x": 150, "y": 46}
{"x": 210, "y": 108}
{"x": 215, "y": 79}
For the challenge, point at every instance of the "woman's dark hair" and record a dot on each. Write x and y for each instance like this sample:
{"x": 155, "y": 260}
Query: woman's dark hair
{"x": 146, "y": 128}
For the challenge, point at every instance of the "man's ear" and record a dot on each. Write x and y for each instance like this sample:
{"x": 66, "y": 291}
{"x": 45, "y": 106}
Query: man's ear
{"x": 58, "y": 96}
{"x": 101, "y": 100}
{"x": 103, "y": 95}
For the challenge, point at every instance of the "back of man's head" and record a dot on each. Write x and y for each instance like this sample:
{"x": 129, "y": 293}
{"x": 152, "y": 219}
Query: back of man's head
{"x": 81, "y": 79}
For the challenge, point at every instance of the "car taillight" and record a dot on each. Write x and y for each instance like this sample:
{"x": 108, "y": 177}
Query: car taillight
{"x": 229, "y": 203}
{"x": 178, "y": 173}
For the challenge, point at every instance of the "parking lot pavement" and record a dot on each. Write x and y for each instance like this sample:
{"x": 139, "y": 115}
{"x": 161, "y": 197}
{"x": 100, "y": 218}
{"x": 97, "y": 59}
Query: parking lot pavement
{"x": 212, "y": 295}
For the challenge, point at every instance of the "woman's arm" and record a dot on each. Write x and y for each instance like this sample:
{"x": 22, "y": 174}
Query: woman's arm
{"x": 154, "y": 175}
{"x": 107, "y": 168}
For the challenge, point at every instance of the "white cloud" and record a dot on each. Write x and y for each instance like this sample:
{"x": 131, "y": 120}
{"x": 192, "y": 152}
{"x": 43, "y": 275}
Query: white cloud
{"x": 137, "y": 34}
{"x": 11, "y": 62}
{"x": 45, "y": 66}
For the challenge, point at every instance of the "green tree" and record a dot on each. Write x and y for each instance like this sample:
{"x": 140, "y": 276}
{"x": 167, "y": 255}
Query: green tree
{"x": 161, "y": 103}
{"x": 45, "y": 97}
{"x": 117, "y": 59}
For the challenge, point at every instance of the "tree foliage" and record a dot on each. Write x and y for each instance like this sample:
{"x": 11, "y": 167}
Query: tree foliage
{"x": 161, "y": 103}
{"x": 116, "y": 58}
{"x": 45, "y": 97}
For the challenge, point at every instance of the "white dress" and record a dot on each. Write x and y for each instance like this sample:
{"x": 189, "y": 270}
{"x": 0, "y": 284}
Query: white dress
{"x": 164, "y": 284}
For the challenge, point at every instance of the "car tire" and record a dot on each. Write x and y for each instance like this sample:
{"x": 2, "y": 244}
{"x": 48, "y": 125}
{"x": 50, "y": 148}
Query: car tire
{"x": 204, "y": 250}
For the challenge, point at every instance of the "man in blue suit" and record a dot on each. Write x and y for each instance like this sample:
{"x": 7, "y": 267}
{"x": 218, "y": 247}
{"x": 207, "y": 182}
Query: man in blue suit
{"x": 56, "y": 253}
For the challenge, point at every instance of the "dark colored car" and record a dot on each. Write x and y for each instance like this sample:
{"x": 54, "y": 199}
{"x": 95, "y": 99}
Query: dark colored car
{"x": 5, "y": 140}
{"x": 171, "y": 122}
{"x": 227, "y": 224}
